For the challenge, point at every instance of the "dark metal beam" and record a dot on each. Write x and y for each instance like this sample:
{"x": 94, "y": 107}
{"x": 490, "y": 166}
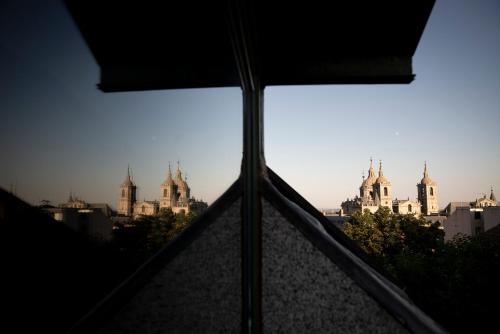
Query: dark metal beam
{"x": 253, "y": 165}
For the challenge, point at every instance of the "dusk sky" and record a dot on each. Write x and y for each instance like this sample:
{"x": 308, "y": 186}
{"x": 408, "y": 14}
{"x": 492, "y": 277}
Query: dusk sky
{"x": 58, "y": 132}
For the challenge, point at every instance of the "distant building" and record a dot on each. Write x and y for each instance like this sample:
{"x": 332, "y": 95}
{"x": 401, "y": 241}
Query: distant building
{"x": 175, "y": 194}
{"x": 77, "y": 203}
{"x": 376, "y": 192}
{"x": 128, "y": 192}
{"x": 471, "y": 218}
{"x": 407, "y": 206}
{"x": 427, "y": 194}
{"x": 146, "y": 208}
{"x": 89, "y": 221}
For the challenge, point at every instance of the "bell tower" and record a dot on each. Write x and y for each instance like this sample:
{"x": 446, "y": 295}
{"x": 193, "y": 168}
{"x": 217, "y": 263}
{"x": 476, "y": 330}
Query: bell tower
{"x": 383, "y": 190}
{"x": 128, "y": 192}
{"x": 168, "y": 196}
{"x": 427, "y": 194}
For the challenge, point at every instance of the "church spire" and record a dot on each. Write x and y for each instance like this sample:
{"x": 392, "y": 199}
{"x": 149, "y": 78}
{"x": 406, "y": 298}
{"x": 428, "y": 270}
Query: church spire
{"x": 371, "y": 171}
{"x": 128, "y": 179}
{"x": 169, "y": 180}
{"x": 492, "y": 195}
{"x": 178, "y": 175}
{"x": 426, "y": 179}
{"x": 381, "y": 178}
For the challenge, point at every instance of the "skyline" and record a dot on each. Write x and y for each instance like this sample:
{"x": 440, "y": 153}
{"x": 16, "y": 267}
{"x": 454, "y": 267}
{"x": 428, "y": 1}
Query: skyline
{"x": 59, "y": 133}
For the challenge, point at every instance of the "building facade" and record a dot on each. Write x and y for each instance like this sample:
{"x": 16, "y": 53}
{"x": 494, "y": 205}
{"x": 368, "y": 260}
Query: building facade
{"x": 376, "y": 191}
{"x": 471, "y": 218}
{"x": 407, "y": 206}
{"x": 128, "y": 193}
{"x": 145, "y": 208}
{"x": 174, "y": 194}
{"x": 427, "y": 194}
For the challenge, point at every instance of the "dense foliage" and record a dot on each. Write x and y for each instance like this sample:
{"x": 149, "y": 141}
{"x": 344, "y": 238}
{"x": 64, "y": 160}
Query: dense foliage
{"x": 455, "y": 282}
{"x": 149, "y": 233}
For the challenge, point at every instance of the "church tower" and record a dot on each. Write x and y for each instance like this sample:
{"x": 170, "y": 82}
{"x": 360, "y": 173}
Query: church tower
{"x": 128, "y": 192}
{"x": 168, "y": 196}
{"x": 427, "y": 194}
{"x": 492, "y": 195}
{"x": 382, "y": 189}
{"x": 366, "y": 189}
{"x": 182, "y": 188}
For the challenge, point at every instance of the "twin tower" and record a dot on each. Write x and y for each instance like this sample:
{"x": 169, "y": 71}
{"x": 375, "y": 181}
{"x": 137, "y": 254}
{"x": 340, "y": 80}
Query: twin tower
{"x": 175, "y": 194}
{"x": 376, "y": 191}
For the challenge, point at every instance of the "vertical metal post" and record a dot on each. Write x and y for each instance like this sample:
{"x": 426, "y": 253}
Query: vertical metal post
{"x": 252, "y": 211}
{"x": 253, "y": 165}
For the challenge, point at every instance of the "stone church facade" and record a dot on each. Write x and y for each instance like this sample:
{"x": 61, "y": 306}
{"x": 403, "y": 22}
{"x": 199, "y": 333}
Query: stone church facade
{"x": 175, "y": 194}
{"x": 376, "y": 191}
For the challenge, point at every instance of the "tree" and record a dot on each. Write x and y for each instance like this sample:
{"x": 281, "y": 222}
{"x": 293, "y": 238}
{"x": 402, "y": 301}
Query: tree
{"x": 364, "y": 230}
{"x": 455, "y": 282}
{"x": 161, "y": 227}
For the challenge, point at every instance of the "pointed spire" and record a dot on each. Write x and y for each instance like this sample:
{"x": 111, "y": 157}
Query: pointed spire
{"x": 492, "y": 195}
{"x": 128, "y": 173}
{"x": 128, "y": 179}
{"x": 371, "y": 171}
{"x": 178, "y": 174}
{"x": 426, "y": 179}
{"x": 381, "y": 178}
{"x": 70, "y": 196}
{"x": 168, "y": 181}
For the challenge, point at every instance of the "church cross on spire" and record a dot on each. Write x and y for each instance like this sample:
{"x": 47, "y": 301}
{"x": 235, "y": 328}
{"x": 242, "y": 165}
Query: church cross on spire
{"x": 128, "y": 172}
{"x": 426, "y": 173}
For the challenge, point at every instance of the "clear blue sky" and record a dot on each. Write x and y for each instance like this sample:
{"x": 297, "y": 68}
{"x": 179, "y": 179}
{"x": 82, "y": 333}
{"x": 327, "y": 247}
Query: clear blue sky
{"x": 58, "y": 132}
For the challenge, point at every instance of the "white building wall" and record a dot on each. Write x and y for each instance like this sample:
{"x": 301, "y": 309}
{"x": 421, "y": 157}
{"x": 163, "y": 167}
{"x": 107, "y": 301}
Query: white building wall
{"x": 458, "y": 222}
{"x": 491, "y": 217}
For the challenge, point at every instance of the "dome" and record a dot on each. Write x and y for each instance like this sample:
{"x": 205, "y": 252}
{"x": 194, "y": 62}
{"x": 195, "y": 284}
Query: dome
{"x": 426, "y": 180}
{"x": 370, "y": 180}
{"x": 168, "y": 182}
{"x": 128, "y": 181}
{"x": 181, "y": 184}
{"x": 381, "y": 179}
{"x": 179, "y": 181}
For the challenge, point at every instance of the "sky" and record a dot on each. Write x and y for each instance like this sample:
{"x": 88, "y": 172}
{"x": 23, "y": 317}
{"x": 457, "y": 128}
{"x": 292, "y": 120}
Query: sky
{"x": 59, "y": 133}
